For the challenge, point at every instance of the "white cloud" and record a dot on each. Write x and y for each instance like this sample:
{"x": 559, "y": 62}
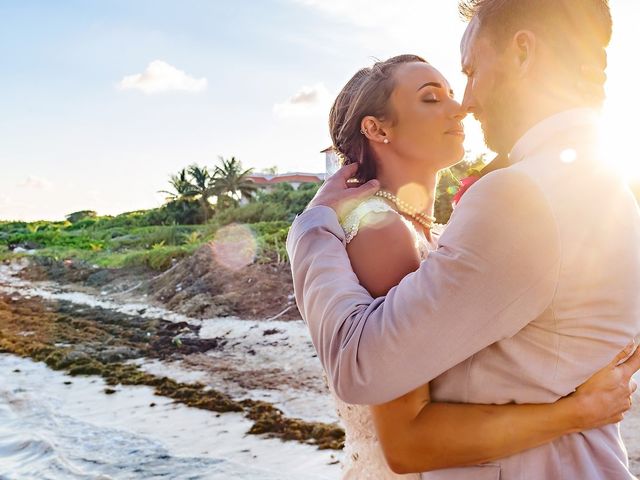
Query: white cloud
{"x": 36, "y": 183}
{"x": 160, "y": 77}
{"x": 308, "y": 101}
{"x": 425, "y": 27}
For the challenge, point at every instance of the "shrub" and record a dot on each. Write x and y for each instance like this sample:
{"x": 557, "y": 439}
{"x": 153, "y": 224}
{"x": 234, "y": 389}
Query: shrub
{"x": 82, "y": 224}
{"x": 11, "y": 227}
{"x": 128, "y": 219}
{"x": 160, "y": 258}
{"x": 146, "y": 237}
{"x": 271, "y": 239}
{"x": 81, "y": 215}
{"x": 293, "y": 201}
{"x": 252, "y": 213}
{"x": 183, "y": 211}
{"x": 52, "y": 238}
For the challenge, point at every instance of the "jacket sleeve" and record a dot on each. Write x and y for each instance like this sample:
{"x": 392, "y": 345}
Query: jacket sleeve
{"x": 494, "y": 271}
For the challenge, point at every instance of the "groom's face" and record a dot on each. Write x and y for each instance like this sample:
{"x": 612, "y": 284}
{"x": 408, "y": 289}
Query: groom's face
{"x": 491, "y": 92}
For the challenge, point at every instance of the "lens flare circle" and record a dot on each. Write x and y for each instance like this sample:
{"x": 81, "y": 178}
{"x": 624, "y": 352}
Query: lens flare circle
{"x": 234, "y": 247}
{"x": 568, "y": 155}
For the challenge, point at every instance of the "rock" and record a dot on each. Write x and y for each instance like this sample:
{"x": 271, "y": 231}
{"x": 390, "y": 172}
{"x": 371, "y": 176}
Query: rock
{"x": 23, "y": 247}
{"x": 271, "y": 331}
{"x": 99, "y": 278}
{"x": 117, "y": 354}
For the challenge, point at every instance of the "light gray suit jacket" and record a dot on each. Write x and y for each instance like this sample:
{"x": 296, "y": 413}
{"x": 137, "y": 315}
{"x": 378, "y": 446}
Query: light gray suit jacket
{"x": 534, "y": 286}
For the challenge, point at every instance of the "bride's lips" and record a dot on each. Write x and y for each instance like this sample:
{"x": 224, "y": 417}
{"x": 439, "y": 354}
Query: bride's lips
{"x": 458, "y": 132}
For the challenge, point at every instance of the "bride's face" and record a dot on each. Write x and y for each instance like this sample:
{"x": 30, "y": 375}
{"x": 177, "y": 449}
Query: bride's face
{"x": 427, "y": 121}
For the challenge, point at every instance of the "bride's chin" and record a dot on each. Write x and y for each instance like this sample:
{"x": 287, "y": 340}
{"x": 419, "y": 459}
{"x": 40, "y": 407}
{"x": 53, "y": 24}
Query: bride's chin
{"x": 453, "y": 159}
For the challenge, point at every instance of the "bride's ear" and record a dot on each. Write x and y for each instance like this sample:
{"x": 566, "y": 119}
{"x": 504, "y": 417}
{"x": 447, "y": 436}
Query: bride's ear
{"x": 372, "y": 128}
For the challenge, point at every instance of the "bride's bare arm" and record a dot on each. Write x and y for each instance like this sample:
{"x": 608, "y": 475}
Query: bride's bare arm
{"x": 417, "y": 435}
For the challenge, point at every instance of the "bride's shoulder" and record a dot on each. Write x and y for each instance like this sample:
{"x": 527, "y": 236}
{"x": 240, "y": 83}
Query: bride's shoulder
{"x": 373, "y": 209}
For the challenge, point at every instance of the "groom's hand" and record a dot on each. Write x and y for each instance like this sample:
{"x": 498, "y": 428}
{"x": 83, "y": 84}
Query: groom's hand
{"x": 337, "y": 193}
{"x": 607, "y": 395}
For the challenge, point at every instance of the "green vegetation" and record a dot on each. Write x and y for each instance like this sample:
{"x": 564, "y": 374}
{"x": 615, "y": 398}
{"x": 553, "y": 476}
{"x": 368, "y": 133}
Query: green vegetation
{"x": 155, "y": 247}
{"x": 449, "y": 182}
{"x": 157, "y": 238}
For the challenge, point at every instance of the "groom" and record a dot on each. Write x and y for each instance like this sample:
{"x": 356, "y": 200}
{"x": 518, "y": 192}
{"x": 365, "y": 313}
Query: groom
{"x": 535, "y": 283}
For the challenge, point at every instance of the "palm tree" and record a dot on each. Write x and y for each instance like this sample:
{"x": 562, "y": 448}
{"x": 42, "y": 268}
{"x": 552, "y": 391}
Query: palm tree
{"x": 202, "y": 187}
{"x": 181, "y": 186}
{"x": 231, "y": 182}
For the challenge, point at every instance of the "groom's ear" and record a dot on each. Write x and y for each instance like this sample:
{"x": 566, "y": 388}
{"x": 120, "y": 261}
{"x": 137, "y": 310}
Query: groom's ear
{"x": 524, "y": 46}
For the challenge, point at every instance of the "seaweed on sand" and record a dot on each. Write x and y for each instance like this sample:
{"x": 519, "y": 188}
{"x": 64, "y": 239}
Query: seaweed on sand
{"x": 94, "y": 341}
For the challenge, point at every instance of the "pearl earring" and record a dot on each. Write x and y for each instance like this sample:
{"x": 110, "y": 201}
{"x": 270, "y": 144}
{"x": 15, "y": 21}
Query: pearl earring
{"x": 386, "y": 140}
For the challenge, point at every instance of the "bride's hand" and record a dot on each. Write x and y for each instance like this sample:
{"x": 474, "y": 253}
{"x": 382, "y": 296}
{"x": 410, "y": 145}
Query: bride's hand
{"x": 607, "y": 395}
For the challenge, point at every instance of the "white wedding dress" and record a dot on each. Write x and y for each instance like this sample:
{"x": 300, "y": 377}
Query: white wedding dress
{"x": 364, "y": 459}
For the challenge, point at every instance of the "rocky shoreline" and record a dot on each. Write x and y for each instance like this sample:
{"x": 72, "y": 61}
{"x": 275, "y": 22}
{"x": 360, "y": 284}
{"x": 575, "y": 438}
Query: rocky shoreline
{"x": 197, "y": 286}
{"x": 91, "y": 340}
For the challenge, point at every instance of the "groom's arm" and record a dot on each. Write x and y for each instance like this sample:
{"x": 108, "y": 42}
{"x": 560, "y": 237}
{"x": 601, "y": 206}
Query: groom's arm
{"x": 495, "y": 270}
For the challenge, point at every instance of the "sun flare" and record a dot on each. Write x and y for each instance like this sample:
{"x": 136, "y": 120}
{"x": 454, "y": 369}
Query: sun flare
{"x": 619, "y": 137}
{"x": 619, "y": 140}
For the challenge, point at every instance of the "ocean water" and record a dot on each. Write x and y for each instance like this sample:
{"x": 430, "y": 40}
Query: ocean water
{"x": 57, "y": 427}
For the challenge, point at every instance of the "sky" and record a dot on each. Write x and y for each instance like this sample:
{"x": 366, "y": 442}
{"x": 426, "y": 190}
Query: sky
{"x": 103, "y": 100}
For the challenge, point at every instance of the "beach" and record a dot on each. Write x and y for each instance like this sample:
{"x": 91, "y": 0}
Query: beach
{"x": 105, "y": 383}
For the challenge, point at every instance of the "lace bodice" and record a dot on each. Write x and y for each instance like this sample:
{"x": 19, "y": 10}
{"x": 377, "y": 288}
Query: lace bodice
{"x": 364, "y": 459}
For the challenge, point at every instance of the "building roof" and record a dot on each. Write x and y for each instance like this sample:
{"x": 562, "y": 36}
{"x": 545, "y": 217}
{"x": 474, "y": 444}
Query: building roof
{"x": 291, "y": 177}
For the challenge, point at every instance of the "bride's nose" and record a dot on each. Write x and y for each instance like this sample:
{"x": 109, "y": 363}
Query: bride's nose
{"x": 459, "y": 113}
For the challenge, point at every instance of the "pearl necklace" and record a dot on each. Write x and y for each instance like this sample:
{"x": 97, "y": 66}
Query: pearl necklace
{"x": 408, "y": 210}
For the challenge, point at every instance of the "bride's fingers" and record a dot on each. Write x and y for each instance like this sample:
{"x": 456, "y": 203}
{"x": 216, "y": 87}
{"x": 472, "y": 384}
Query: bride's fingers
{"x": 633, "y": 386}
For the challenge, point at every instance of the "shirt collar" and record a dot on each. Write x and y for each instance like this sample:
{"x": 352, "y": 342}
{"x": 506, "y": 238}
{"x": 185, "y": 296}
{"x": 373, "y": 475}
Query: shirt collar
{"x": 549, "y": 127}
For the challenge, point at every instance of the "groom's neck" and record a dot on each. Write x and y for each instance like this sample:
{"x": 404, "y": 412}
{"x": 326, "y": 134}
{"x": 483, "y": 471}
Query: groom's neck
{"x": 541, "y": 108}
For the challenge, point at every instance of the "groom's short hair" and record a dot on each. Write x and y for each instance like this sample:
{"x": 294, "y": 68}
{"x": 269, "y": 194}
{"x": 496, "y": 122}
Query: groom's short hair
{"x": 579, "y": 30}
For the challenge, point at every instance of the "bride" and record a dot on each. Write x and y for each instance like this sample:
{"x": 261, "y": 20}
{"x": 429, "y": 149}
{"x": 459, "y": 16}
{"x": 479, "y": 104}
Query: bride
{"x": 398, "y": 122}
